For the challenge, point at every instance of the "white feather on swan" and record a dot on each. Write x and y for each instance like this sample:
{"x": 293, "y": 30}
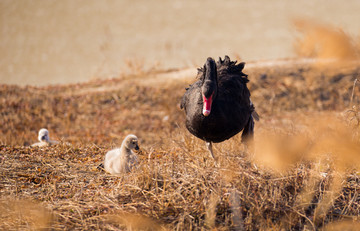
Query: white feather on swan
{"x": 123, "y": 159}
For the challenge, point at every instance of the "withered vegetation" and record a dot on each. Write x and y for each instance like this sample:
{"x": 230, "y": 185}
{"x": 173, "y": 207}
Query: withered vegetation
{"x": 302, "y": 175}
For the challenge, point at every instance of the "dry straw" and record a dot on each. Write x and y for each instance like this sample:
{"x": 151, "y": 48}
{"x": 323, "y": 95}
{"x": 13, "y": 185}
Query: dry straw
{"x": 301, "y": 175}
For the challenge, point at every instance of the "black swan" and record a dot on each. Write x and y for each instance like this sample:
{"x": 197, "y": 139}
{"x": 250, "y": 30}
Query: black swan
{"x": 218, "y": 105}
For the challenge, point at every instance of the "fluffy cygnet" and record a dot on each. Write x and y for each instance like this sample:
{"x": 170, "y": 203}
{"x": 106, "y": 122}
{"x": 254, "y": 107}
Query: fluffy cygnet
{"x": 123, "y": 159}
{"x": 44, "y": 139}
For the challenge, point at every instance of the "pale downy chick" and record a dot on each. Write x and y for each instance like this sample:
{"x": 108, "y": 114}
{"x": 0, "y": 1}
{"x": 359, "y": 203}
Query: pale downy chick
{"x": 123, "y": 159}
{"x": 44, "y": 139}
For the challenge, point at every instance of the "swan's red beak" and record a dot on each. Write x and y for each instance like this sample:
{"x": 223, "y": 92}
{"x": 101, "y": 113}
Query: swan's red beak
{"x": 207, "y": 105}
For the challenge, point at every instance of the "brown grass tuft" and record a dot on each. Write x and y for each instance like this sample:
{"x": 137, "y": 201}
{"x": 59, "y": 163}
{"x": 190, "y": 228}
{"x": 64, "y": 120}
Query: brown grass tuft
{"x": 23, "y": 215}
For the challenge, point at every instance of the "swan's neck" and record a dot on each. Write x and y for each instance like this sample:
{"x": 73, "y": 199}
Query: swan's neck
{"x": 125, "y": 149}
{"x": 209, "y": 86}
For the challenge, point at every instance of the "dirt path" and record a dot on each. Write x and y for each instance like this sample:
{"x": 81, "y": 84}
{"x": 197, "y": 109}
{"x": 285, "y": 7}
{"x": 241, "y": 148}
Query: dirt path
{"x": 165, "y": 77}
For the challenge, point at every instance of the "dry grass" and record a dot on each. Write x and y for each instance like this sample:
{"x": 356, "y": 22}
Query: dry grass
{"x": 311, "y": 182}
{"x": 325, "y": 41}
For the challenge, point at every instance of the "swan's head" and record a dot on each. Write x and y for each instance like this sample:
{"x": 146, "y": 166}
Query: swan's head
{"x": 131, "y": 142}
{"x": 209, "y": 86}
{"x": 44, "y": 135}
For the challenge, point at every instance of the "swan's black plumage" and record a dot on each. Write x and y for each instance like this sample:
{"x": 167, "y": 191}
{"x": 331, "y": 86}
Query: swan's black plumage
{"x": 231, "y": 109}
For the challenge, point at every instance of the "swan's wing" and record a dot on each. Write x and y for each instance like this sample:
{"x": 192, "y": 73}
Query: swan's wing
{"x": 53, "y": 142}
{"x": 40, "y": 144}
{"x": 254, "y": 114}
{"x": 109, "y": 159}
{"x": 186, "y": 97}
{"x": 248, "y": 132}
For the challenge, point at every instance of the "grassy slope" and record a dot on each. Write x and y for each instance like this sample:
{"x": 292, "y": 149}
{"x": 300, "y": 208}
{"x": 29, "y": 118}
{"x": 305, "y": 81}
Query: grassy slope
{"x": 177, "y": 185}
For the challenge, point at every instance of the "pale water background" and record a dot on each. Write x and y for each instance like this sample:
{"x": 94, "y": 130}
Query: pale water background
{"x": 48, "y": 42}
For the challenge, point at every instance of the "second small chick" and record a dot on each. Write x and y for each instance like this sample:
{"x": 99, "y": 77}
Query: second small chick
{"x": 44, "y": 139}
